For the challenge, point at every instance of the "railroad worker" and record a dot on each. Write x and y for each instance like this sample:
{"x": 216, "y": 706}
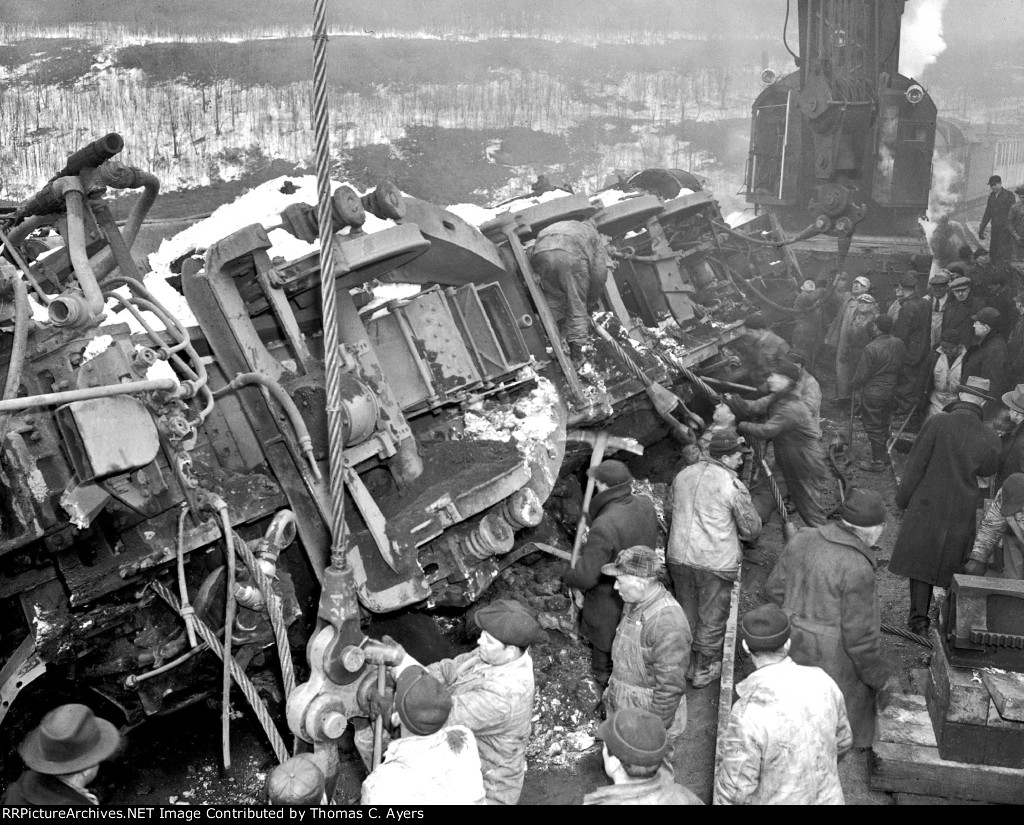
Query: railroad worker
{"x": 809, "y": 330}
{"x": 572, "y": 263}
{"x": 997, "y": 211}
{"x": 796, "y": 440}
{"x": 999, "y": 545}
{"x": 758, "y": 347}
{"x": 848, "y": 334}
{"x": 1001, "y": 297}
{"x": 986, "y": 358}
{"x": 297, "y": 781}
{"x": 492, "y": 693}
{"x": 807, "y": 387}
{"x": 825, "y": 581}
{"x": 912, "y": 325}
{"x": 787, "y": 730}
{"x": 651, "y": 651}
{"x": 945, "y": 367}
{"x": 962, "y": 308}
{"x": 876, "y": 378}
{"x": 62, "y": 757}
{"x": 1011, "y": 454}
{"x": 941, "y": 303}
{"x": 940, "y": 494}
{"x": 618, "y": 519}
{"x": 635, "y": 744}
{"x": 430, "y": 764}
{"x": 710, "y": 511}
{"x": 1015, "y": 224}
{"x": 1015, "y": 344}
{"x": 964, "y": 263}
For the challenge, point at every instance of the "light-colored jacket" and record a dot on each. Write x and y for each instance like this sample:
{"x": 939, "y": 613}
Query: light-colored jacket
{"x": 660, "y": 790}
{"x": 711, "y": 511}
{"x": 787, "y": 732}
{"x": 496, "y": 703}
{"x": 440, "y": 769}
{"x": 999, "y": 532}
{"x": 945, "y": 378}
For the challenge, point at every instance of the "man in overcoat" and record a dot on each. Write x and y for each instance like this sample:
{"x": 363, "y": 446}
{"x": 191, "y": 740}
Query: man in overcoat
{"x": 912, "y": 325}
{"x": 997, "y": 210}
{"x": 618, "y": 519}
{"x": 940, "y": 494}
{"x": 987, "y": 357}
{"x": 825, "y": 582}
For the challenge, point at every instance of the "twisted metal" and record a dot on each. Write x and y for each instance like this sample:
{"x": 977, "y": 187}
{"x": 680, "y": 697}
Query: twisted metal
{"x": 247, "y": 687}
{"x": 621, "y": 353}
{"x": 266, "y": 586}
{"x": 690, "y": 375}
{"x": 906, "y": 634}
{"x": 328, "y": 291}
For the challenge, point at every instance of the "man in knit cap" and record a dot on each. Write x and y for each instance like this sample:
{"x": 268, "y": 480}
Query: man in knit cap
{"x": 876, "y": 378}
{"x": 825, "y": 581}
{"x": 634, "y": 749}
{"x": 430, "y": 764}
{"x": 787, "y": 730}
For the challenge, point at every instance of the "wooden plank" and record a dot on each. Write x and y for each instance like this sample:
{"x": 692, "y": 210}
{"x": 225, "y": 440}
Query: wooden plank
{"x": 906, "y": 722}
{"x": 728, "y": 672}
{"x": 1007, "y": 692}
{"x": 919, "y": 770}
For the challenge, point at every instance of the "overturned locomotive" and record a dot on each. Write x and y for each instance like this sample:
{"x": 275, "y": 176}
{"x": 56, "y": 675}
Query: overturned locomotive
{"x": 163, "y": 463}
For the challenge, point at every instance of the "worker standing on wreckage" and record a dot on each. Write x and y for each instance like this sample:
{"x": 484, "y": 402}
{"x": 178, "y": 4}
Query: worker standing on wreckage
{"x": 572, "y": 262}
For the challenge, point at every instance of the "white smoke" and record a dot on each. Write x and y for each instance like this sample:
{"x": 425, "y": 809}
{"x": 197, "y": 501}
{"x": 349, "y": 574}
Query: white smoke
{"x": 921, "y": 42}
{"x": 944, "y": 236}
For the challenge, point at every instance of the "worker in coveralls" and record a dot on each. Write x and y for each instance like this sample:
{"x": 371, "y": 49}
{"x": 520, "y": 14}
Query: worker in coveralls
{"x": 651, "y": 650}
{"x": 825, "y": 581}
{"x": 848, "y": 334}
{"x": 999, "y": 545}
{"x": 572, "y": 262}
{"x": 758, "y": 349}
{"x": 492, "y": 693}
{"x": 796, "y": 440}
{"x": 876, "y": 378}
{"x": 618, "y": 519}
{"x": 788, "y": 729}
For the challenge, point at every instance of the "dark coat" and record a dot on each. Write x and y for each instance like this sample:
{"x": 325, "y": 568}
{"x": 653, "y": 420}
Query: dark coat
{"x": 38, "y": 789}
{"x": 940, "y": 494}
{"x": 914, "y": 328}
{"x": 1015, "y": 354}
{"x": 618, "y": 519}
{"x": 997, "y": 209}
{"x": 825, "y": 580}
{"x": 809, "y": 330}
{"x": 756, "y": 357}
{"x": 959, "y": 315}
{"x": 1011, "y": 460}
{"x": 1000, "y": 298}
{"x": 988, "y": 360}
{"x": 879, "y": 367}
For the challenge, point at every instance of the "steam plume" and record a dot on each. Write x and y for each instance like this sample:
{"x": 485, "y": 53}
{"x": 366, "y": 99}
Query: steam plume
{"x": 921, "y": 42}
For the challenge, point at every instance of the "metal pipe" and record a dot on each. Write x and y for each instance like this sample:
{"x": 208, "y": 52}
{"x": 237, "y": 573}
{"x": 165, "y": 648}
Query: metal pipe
{"x": 118, "y": 246}
{"x": 221, "y": 507}
{"x": 22, "y": 321}
{"x": 70, "y": 189}
{"x": 134, "y": 680}
{"x": 51, "y": 399}
{"x": 245, "y": 379}
{"x": 119, "y": 176}
{"x": 187, "y": 611}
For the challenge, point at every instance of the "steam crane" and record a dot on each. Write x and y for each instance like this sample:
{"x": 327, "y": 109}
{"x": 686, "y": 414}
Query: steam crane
{"x": 845, "y": 137}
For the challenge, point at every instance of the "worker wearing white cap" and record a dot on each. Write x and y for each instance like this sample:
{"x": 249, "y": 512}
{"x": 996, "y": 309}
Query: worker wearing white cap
{"x": 849, "y": 334}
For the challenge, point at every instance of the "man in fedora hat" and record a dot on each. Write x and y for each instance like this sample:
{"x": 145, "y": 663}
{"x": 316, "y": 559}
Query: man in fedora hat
{"x": 787, "y": 730}
{"x": 1011, "y": 456}
{"x": 1015, "y": 224}
{"x": 940, "y": 494}
{"x": 492, "y": 693}
{"x": 997, "y": 210}
{"x": 999, "y": 545}
{"x": 651, "y": 650}
{"x": 710, "y": 512}
{"x": 825, "y": 582}
{"x": 63, "y": 756}
{"x": 986, "y": 358}
{"x": 618, "y": 519}
{"x": 431, "y": 763}
{"x": 633, "y": 752}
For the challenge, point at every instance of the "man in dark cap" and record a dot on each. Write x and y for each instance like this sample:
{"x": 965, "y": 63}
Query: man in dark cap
{"x": 1015, "y": 224}
{"x": 986, "y": 358}
{"x": 63, "y": 757}
{"x": 942, "y": 304}
{"x": 999, "y": 545}
{"x": 796, "y": 440}
{"x": 298, "y": 780}
{"x": 939, "y": 492}
{"x": 787, "y": 730}
{"x": 758, "y": 347}
{"x": 634, "y": 749}
{"x": 572, "y": 264}
{"x": 432, "y": 763}
{"x": 652, "y": 644}
{"x": 961, "y": 310}
{"x": 618, "y": 519}
{"x": 492, "y": 693}
{"x": 944, "y": 368}
{"x": 997, "y": 210}
{"x": 876, "y": 378}
{"x": 825, "y": 581}
{"x": 710, "y": 512}
{"x": 912, "y": 325}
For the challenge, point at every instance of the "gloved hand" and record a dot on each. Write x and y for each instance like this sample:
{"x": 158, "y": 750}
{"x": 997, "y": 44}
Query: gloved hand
{"x": 975, "y": 568}
{"x": 399, "y": 650}
{"x": 981, "y": 234}
{"x": 887, "y": 692}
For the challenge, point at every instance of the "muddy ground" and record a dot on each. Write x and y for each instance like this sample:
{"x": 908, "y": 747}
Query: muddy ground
{"x": 176, "y": 760}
